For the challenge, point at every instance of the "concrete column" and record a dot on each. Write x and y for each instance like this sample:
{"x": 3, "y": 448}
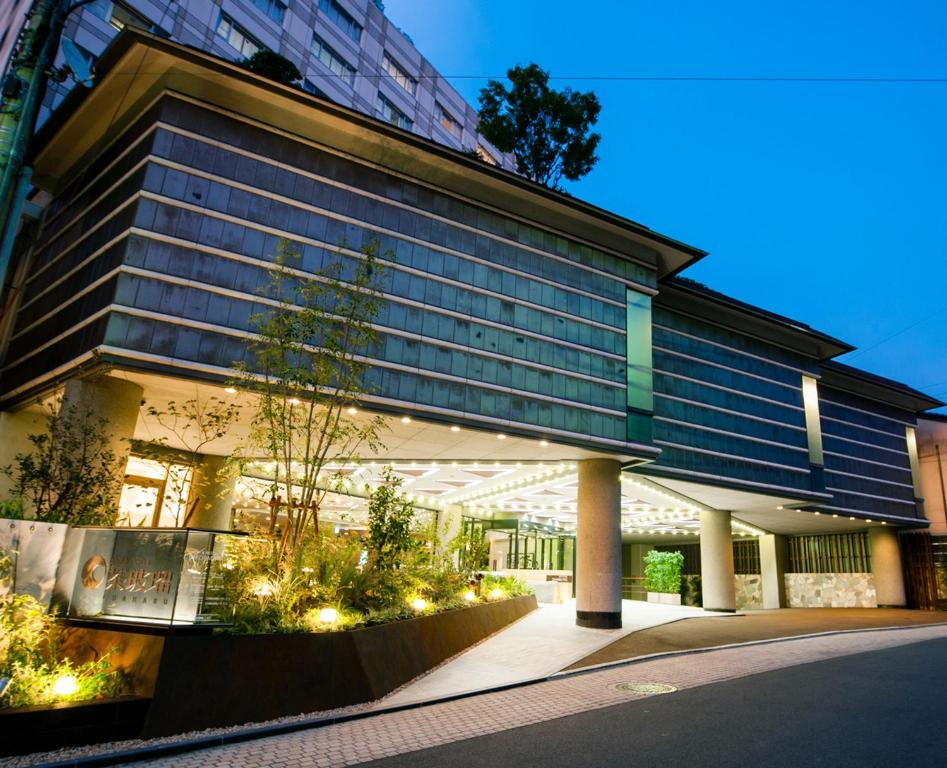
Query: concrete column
{"x": 716, "y": 561}
{"x": 210, "y": 498}
{"x": 15, "y": 429}
{"x": 886, "y": 566}
{"x": 774, "y": 556}
{"x": 116, "y": 402}
{"x": 598, "y": 545}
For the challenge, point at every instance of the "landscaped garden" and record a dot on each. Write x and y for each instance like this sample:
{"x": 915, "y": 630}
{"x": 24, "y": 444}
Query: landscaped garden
{"x": 291, "y": 573}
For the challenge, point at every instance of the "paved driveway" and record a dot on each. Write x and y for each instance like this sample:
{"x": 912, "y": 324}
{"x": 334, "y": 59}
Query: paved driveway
{"x": 860, "y": 701}
{"x": 755, "y": 625}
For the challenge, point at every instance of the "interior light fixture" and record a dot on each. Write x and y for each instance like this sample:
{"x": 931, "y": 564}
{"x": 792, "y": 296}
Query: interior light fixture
{"x": 230, "y": 390}
{"x": 352, "y": 411}
{"x": 405, "y": 420}
{"x": 543, "y": 443}
{"x": 501, "y": 436}
{"x": 455, "y": 428}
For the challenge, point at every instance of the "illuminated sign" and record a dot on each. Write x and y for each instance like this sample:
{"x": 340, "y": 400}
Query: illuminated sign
{"x": 160, "y": 575}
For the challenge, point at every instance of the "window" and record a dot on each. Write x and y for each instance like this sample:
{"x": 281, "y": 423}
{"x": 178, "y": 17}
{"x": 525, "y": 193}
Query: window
{"x": 486, "y": 156}
{"x": 910, "y": 434}
{"x": 830, "y": 553}
{"x": 342, "y": 19}
{"x": 388, "y": 111}
{"x": 399, "y": 75}
{"x": 447, "y": 122}
{"x": 810, "y": 401}
{"x": 272, "y": 8}
{"x": 336, "y": 64}
{"x": 236, "y": 36}
{"x": 118, "y": 14}
{"x": 640, "y": 396}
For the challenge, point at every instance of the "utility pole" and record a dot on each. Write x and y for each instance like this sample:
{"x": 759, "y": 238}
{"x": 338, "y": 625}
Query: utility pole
{"x": 22, "y": 88}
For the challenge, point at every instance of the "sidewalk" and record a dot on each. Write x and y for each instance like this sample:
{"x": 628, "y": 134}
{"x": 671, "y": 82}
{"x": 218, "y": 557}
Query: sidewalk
{"x": 418, "y": 728}
{"x": 538, "y": 645}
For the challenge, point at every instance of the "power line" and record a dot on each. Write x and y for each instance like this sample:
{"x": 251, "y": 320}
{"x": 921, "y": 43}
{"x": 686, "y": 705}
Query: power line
{"x": 710, "y": 79}
{"x": 885, "y": 340}
{"x": 655, "y": 78}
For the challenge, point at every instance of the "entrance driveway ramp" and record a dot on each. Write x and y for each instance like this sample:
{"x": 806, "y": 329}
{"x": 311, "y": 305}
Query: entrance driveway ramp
{"x": 540, "y": 644}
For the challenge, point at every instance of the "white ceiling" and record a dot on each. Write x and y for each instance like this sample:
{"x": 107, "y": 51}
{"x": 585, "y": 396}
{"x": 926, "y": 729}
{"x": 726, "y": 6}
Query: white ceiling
{"x": 442, "y": 464}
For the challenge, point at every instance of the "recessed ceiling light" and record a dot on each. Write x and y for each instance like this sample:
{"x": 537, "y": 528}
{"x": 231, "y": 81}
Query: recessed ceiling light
{"x": 501, "y": 436}
{"x": 293, "y": 401}
{"x": 543, "y": 443}
{"x": 230, "y": 390}
{"x": 405, "y": 420}
{"x": 352, "y": 411}
{"x": 455, "y": 428}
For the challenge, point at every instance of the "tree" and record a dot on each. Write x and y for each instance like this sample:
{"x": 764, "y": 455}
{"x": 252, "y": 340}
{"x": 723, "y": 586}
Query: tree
{"x": 272, "y": 65}
{"x": 390, "y": 517}
{"x": 547, "y": 130}
{"x": 195, "y": 424}
{"x": 71, "y": 475}
{"x": 309, "y": 359}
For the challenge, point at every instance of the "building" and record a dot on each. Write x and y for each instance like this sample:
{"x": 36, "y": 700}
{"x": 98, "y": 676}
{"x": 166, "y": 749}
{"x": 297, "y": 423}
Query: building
{"x": 347, "y": 50}
{"x": 547, "y": 375}
{"x": 932, "y": 457}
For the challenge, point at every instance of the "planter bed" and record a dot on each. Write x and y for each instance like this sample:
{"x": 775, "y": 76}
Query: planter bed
{"x": 664, "y": 598}
{"x": 27, "y": 729}
{"x": 215, "y": 680}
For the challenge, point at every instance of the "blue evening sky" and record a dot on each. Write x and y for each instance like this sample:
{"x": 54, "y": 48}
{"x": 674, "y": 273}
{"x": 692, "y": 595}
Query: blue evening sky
{"x": 825, "y": 202}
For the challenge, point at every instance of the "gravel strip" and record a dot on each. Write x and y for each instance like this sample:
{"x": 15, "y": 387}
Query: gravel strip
{"x": 73, "y": 753}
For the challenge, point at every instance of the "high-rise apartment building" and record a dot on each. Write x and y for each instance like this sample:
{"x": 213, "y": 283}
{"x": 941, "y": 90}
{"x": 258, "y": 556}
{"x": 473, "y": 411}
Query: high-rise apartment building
{"x": 347, "y": 50}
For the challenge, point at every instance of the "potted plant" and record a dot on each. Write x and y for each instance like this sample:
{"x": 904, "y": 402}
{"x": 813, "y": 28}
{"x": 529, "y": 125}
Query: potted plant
{"x": 662, "y": 576}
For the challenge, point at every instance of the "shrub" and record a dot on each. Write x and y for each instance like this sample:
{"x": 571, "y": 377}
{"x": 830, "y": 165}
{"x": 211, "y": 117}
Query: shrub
{"x": 342, "y": 585}
{"x": 390, "y": 514}
{"x": 662, "y": 571}
{"x": 497, "y": 587}
{"x": 32, "y": 668}
{"x": 71, "y": 475}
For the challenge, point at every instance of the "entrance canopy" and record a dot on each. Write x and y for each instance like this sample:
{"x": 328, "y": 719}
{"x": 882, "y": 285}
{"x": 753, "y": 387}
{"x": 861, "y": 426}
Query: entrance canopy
{"x": 490, "y": 475}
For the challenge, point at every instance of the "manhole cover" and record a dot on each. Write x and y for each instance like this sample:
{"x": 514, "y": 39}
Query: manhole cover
{"x": 646, "y": 689}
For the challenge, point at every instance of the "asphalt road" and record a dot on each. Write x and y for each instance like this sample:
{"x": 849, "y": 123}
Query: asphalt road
{"x": 884, "y": 708}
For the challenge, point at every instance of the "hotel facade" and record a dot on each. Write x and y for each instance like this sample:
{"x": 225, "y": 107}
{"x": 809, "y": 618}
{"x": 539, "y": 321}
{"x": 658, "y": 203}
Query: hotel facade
{"x": 547, "y": 373}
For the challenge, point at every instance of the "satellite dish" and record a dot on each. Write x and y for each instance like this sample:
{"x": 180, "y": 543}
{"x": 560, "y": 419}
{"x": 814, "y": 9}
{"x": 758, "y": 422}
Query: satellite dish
{"x": 81, "y": 67}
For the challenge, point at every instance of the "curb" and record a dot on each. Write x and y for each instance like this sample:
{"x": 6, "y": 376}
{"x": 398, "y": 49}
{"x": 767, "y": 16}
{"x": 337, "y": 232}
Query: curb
{"x": 252, "y": 733}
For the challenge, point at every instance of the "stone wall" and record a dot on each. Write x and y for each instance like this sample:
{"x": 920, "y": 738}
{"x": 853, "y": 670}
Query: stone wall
{"x": 749, "y": 590}
{"x": 831, "y": 590}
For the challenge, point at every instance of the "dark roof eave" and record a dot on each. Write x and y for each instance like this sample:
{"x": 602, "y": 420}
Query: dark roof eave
{"x": 826, "y": 346}
{"x": 877, "y": 387}
{"x": 674, "y": 254}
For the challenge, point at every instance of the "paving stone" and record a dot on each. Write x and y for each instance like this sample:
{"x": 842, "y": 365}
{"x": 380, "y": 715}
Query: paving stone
{"x": 401, "y": 732}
